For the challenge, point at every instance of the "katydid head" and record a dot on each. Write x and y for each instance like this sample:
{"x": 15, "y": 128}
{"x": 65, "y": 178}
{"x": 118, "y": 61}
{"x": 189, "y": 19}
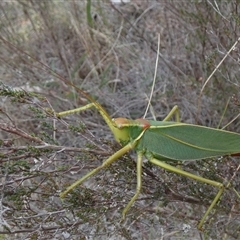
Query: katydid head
{"x": 123, "y": 128}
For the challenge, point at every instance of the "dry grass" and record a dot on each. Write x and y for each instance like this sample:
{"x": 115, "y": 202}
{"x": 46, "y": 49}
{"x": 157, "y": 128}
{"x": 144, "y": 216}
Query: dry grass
{"x": 111, "y": 54}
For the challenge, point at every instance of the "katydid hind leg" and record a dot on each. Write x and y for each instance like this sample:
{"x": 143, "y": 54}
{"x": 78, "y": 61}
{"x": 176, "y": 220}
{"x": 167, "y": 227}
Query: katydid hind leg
{"x": 174, "y": 111}
{"x": 139, "y": 184}
{"x": 214, "y": 202}
{"x": 106, "y": 163}
{"x": 195, "y": 177}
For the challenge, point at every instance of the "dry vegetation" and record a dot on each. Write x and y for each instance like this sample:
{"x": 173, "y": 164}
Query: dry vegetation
{"x": 110, "y": 52}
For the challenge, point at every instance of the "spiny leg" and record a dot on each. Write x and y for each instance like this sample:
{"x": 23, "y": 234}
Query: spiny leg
{"x": 174, "y": 111}
{"x": 195, "y": 177}
{"x": 215, "y": 200}
{"x": 75, "y": 110}
{"x": 106, "y": 163}
{"x": 99, "y": 108}
{"x": 139, "y": 184}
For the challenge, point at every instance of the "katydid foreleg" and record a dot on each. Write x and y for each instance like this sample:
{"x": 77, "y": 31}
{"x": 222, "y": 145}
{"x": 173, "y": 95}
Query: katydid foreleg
{"x": 61, "y": 114}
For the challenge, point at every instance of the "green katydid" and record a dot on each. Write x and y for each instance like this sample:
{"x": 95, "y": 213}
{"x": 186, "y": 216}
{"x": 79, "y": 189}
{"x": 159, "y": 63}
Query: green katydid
{"x": 160, "y": 142}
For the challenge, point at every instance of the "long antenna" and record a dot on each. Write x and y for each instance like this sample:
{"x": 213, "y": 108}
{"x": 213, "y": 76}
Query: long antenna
{"x": 102, "y": 111}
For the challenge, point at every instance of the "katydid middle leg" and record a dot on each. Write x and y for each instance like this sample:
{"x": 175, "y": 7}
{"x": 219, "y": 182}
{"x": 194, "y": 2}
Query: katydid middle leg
{"x": 106, "y": 163}
{"x": 139, "y": 184}
{"x": 174, "y": 111}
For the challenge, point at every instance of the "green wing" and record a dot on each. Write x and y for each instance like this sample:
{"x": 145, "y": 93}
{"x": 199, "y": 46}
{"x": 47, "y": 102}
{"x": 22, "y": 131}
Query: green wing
{"x": 180, "y": 141}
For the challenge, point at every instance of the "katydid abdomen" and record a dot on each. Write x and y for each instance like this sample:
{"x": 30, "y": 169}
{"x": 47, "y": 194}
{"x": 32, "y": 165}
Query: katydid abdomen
{"x": 179, "y": 141}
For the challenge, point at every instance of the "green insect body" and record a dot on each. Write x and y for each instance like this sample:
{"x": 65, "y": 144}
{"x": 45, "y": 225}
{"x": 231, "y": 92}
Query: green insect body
{"x": 179, "y": 141}
{"x": 163, "y": 141}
